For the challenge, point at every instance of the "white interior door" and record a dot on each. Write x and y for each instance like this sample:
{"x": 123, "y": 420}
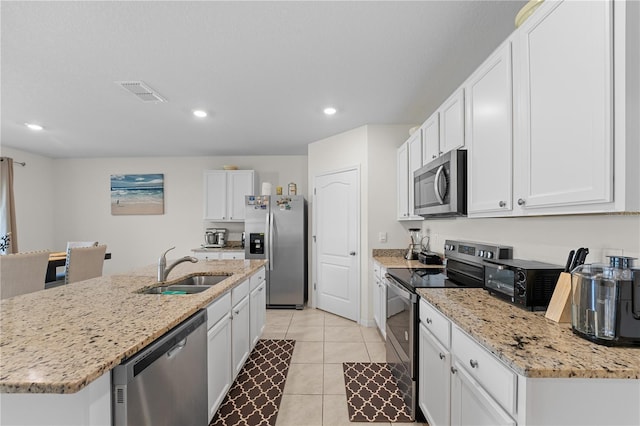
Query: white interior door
{"x": 337, "y": 224}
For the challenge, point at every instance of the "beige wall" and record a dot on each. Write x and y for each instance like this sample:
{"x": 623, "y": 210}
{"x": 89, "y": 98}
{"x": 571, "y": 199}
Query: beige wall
{"x": 79, "y": 207}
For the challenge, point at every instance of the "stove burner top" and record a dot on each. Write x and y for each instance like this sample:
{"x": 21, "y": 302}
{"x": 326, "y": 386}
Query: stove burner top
{"x": 424, "y": 278}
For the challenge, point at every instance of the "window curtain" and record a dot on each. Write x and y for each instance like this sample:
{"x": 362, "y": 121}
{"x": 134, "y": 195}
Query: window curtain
{"x": 8, "y": 235}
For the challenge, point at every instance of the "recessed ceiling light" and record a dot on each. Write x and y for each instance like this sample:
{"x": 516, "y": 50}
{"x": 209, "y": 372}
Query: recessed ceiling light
{"x": 199, "y": 113}
{"x": 330, "y": 111}
{"x": 33, "y": 126}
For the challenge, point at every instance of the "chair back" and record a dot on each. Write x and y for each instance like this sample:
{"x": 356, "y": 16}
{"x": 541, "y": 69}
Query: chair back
{"x": 84, "y": 263}
{"x": 76, "y": 244}
{"x": 22, "y": 273}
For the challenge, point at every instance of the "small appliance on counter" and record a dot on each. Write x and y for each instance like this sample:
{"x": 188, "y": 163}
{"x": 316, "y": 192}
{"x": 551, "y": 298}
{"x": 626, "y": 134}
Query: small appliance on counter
{"x": 525, "y": 283}
{"x": 414, "y": 244}
{"x": 605, "y": 302}
{"x": 215, "y": 238}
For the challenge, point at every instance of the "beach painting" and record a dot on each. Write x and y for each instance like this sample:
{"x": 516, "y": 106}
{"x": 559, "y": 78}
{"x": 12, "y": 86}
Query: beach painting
{"x": 137, "y": 194}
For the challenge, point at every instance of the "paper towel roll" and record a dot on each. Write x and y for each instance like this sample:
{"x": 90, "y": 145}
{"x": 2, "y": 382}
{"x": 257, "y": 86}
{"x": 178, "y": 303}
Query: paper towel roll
{"x": 266, "y": 188}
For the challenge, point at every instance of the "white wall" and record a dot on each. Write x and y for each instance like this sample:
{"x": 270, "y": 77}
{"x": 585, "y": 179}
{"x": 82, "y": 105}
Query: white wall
{"x": 34, "y": 188}
{"x": 546, "y": 239}
{"x": 75, "y": 203}
{"x": 373, "y": 148}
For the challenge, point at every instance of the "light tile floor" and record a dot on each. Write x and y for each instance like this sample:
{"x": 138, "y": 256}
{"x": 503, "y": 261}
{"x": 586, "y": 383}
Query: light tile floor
{"x": 314, "y": 393}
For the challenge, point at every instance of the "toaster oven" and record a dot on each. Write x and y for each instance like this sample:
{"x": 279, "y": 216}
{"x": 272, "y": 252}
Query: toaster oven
{"x": 525, "y": 283}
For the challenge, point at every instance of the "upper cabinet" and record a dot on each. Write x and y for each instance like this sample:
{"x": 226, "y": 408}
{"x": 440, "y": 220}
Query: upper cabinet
{"x": 564, "y": 83}
{"x": 431, "y": 138}
{"x": 452, "y": 122}
{"x": 409, "y": 160}
{"x": 490, "y": 135}
{"x": 224, "y": 192}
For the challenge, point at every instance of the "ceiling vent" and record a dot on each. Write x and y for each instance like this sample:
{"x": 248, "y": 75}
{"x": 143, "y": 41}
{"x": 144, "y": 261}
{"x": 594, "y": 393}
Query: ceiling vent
{"x": 141, "y": 90}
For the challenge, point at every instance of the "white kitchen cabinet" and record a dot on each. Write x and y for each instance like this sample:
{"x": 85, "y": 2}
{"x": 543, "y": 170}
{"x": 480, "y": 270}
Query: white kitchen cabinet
{"x": 471, "y": 405}
{"x": 434, "y": 381}
{"x": 452, "y": 122}
{"x": 431, "y": 138}
{"x": 224, "y": 192}
{"x": 489, "y": 136}
{"x": 218, "y": 255}
{"x": 218, "y": 363}
{"x": 240, "y": 327}
{"x": 564, "y": 82}
{"x": 258, "y": 303}
{"x": 231, "y": 255}
{"x": 380, "y": 298}
{"x": 409, "y": 160}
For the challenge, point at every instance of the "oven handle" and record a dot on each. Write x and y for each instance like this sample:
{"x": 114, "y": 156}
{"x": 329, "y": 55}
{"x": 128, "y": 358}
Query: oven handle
{"x": 400, "y": 289}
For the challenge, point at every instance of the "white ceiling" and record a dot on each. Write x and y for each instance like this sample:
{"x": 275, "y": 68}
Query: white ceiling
{"x": 263, "y": 70}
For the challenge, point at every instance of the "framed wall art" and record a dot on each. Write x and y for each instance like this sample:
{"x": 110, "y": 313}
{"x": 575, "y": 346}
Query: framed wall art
{"x": 137, "y": 194}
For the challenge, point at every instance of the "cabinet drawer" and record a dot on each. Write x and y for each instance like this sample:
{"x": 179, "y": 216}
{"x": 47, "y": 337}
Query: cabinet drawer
{"x": 239, "y": 292}
{"x": 257, "y": 278}
{"x": 496, "y": 378}
{"x": 231, "y": 255}
{"x": 218, "y": 309}
{"x": 436, "y": 323}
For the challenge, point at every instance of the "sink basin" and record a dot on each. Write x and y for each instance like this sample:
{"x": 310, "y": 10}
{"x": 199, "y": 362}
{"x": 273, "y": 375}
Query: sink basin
{"x": 189, "y": 285}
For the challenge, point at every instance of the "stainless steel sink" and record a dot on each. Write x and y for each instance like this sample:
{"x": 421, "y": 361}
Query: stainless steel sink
{"x": 189, "y": 285}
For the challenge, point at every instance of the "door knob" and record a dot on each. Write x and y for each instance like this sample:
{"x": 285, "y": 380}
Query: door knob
{"x": 352, "y": 253}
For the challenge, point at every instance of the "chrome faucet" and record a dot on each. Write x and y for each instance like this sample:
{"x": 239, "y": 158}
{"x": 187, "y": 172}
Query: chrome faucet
{"x": 163, "y": 269}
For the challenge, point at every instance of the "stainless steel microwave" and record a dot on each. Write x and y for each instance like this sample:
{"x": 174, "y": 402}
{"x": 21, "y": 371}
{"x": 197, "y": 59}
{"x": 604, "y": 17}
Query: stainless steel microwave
{"x": 440, "y": 187}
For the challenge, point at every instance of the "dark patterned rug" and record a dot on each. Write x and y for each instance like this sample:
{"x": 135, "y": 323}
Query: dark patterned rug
{"x": 372, "y": 393}
{"x": 254, "y": 397}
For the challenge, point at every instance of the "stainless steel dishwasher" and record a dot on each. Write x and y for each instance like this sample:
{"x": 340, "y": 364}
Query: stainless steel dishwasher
{"x": 165, "y": 383}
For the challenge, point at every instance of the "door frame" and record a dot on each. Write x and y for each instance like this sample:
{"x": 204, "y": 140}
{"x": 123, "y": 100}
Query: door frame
{"x": 314, "y": 257}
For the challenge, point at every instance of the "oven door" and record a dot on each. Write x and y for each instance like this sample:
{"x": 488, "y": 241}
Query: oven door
{"x": 401, "y": 340}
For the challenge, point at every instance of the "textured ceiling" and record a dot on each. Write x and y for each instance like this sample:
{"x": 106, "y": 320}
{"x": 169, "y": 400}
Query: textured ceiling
{"x": 263, "y": 70}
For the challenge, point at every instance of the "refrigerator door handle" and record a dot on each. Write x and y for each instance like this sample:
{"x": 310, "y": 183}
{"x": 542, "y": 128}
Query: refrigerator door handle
{"x": 267, "y": 247}
{"x": 270, "y": 256}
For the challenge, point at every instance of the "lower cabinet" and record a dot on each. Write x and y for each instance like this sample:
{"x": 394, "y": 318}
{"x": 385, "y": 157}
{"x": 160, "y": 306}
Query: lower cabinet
{"x": 434, "y": 382}
{"x": 240, "y": 345}
{"x": 380, "y": 298}
{"x": 470, "y": 404}
{"x": 218, "y": 363}
{"x": 258, "y": 303}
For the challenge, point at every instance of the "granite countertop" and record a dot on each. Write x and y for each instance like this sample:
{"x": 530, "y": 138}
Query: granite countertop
{"x": 61, "y": 339}
{"x": 394, "y": 258}
{"x": 529, "y": 343}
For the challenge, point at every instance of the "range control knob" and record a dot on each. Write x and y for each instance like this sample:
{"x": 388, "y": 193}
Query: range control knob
{"x": 488, "y": 255}
{"x": 481, "y": 253}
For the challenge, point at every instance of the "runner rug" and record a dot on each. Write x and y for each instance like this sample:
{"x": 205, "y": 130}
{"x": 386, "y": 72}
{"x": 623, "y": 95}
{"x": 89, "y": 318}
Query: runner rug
{"x": 254, "y": 397}
{"x": 372, "y": 393}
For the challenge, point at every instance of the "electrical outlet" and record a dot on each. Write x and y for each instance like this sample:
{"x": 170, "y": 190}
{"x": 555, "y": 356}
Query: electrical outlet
{"x": 382, "y": 237}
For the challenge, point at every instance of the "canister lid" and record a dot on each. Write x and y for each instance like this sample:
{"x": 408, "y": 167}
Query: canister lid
{"x": 622, "y": 262}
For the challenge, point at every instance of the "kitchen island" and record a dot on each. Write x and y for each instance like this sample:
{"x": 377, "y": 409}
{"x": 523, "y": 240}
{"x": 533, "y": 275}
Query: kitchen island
{"x": 522, "y": 367}
{"x": 61, "y": 341}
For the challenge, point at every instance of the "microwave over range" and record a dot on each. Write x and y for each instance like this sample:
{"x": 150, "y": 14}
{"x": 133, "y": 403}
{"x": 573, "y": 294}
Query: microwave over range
{"x": 440, "y": 187}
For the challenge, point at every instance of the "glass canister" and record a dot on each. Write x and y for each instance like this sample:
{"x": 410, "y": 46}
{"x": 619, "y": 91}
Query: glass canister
{"x": 293, "y": 189}
{"x": 594, "y": 293}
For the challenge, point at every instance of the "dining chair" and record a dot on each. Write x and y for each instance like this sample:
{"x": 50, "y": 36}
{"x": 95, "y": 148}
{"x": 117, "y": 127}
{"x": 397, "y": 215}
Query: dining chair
{"x": 84, "y": 263}
{"x": 60, "y": 277}
{"x": 22, "y": 273}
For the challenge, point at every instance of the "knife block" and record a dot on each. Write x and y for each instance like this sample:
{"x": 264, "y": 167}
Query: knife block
{"x": 559, "y": 309}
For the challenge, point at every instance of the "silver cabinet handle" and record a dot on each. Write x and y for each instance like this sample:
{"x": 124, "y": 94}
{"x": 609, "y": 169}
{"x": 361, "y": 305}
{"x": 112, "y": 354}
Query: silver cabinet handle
{"x": 520, "y": 202}
{"x": 434, "y": 156}
{"x": 261, "y": 288}
{"x": 454, "y": 370}
{"x": 352, "y": 253}
{"x": 236, "y": 312}
{"x": 429, "y": 321}
{"x": 441, "y": 355}
{"x": 502, "y": 204}
{"x": 473, "y": 363}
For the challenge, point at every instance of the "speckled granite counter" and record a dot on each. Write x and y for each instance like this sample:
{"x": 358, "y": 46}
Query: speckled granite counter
{"x": 61, "y": 339}
{"x": 401, "y": 262}
{"x": 529, "y": 343}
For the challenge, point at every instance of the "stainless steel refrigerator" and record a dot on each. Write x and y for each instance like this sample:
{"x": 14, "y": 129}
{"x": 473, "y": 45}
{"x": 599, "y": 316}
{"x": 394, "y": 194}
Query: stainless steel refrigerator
{"x": 276, "y": 229}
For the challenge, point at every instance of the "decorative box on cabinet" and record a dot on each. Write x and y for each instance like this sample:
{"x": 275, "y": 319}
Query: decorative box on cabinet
{"x": 224, "y": 192}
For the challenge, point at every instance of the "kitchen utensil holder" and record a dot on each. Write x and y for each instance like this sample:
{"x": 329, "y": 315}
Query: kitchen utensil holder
{"x": 559, "y": 309}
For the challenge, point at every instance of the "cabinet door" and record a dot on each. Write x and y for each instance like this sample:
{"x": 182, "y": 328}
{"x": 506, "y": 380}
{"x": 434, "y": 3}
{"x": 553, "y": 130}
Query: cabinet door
{"x": 258, "y": 305}
{"x": 415, "y": 162}
{"x": 231, "y": 255}
{"x": 218, "y": 363}
{"x": 383, "y": 307}
{"x": 215, "y": 195}
{"x": 471, "y": 405}
{"x": 564, "y": 82}
{"x": 240, "y": 334}
{"x": 452, "y": 122}
{"x": 489, "y": 135}
{"x": 434, "y": 383}
{"x": 431, "y": 138}
{"x": 376, "y": 300}
{"x": 239, "y": 184}
{"x": 403, "y": 182}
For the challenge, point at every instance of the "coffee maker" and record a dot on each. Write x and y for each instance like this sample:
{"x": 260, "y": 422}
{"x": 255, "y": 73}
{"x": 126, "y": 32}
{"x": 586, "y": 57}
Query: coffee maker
{"x": 215, "y": 237}
{"x": 605, "y": 302}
